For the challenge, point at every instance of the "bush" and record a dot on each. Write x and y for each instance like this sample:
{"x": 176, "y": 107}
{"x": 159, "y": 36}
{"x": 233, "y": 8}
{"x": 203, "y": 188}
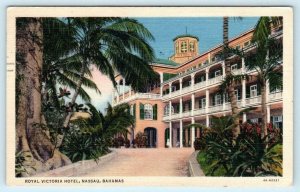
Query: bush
{"x": 199, "y": 144}
{"x": 140, "y": 140}
{"x": 127, "y": 143}
{"x": 248, "y": 155}
{"x": 80, "y": 146}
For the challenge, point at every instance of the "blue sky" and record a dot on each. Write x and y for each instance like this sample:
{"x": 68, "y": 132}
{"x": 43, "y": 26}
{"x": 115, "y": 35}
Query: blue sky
{"x": 207, "y": 29}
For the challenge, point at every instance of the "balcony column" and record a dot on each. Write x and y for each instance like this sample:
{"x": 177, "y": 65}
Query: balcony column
{"x": 180, "y": 107}
{"x": 170, "y": 109}
{"x": 193, "y": 104}
{"x": 207, "y": 120}
{"x": 129, "y": 91}
{"x": 223, "y": 69}
{"x": 118, "y": 92}
{"x": 193, "y": 133}
{"x": 243, "y": 66}
{"x": 268, "y": 114}
{"x": 206, "y": 101}
{"x": 180, "y": 85}
{"x": 181, "y": 133}
{"x": 170, "y": 134}
{"x": 161, "y": 81}
{"x": 243, "y": 92}
{"x": 224, "y": 102}
{"x": 244, "y": 118}
{"x": 206, "y": 76}
{"x": 123, "y": 89}
{"x": 170, "y": 89}
{"x": 192, "y": 81}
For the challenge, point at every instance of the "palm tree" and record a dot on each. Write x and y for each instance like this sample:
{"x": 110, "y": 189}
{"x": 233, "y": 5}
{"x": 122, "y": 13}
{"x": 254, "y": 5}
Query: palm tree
{"x": 266, "y": 61}
{"x": 116, "y": 120}
{"x": 230, "y": 85}
{"x": 112, "y": 44}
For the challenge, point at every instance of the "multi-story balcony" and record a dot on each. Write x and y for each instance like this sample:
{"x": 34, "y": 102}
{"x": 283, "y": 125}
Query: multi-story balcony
{"x": 136, "y": 96}
{"x": 253, "y": 101}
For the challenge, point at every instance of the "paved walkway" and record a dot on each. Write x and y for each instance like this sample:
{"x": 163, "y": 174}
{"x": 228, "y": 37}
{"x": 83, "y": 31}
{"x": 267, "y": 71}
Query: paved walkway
{"x": 145, "y": 162}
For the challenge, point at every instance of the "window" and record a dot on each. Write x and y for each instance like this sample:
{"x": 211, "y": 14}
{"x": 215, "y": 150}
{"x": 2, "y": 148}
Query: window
{"x": 167, "y": 110}
{"x": 237, "y": 94}
{"x": 218, "y": 99}
{"x": 277, "y": 121}
{"x": 234, "y": 67}
{"x": 202, "y": 103}
{"x": 254, "y": 120}
{"x": 253, "y": 90}
{"x": 173, "y": 88}
{"x": 183, "y": 47}
{"x": 238, "y": 47}
{"x": 217, "y": 73}
{"x": 148, "y": 111}
{"x": 177, "y": 50}
{"x": 192, "y": 46}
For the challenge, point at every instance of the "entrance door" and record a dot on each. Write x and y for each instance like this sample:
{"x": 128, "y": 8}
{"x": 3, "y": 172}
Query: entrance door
{"x": 151, "y": 137}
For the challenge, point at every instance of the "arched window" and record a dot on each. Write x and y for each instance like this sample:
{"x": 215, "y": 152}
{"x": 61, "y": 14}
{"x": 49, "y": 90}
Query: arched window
{"x": 183, "y": 47}
{"x": 148, "y": 111}
{"x": 192, "y": 46}
{"x": 167, "y": 110}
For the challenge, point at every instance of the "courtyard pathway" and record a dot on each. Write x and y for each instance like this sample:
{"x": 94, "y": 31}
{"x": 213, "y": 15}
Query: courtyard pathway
{"x": 145, "y": 162}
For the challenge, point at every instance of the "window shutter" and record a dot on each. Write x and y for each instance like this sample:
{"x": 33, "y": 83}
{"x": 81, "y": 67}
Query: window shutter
{"x": 141, "y": 111}
{"x": 258, "y": 89}
{"x": 155, "y": 112}
{"x": 247, "y": 91}
{"x": 134, "y": 110}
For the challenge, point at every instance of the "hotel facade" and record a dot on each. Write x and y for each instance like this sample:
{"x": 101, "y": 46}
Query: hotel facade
{"x": 189, "y": 92}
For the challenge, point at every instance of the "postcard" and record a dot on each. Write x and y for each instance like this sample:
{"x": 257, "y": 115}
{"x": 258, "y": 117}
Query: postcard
{"x": 149, "y": 96}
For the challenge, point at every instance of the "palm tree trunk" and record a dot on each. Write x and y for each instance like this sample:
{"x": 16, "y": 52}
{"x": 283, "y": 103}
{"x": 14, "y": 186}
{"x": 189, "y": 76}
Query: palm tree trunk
{"x": 264, "y": 110}
{"x": 78, "y": 86}
{"x": 230, "y": 88}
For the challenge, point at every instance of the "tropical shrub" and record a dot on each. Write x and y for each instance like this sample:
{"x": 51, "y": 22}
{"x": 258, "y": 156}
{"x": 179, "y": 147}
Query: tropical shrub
{"x": 140, "y": 140}
{"x": 80, "y": 145}
{"x": 199, "y": 144}
{"x": 248, "y": 155}
{"x": 118, "y": 142}
{"x": 127, "y": 143}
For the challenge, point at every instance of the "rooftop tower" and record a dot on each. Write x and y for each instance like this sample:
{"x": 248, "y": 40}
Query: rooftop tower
{"x": 185, "y": 48}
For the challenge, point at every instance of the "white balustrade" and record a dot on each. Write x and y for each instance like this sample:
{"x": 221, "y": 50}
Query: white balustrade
{"x": 215, "y": 108}
{"x": 214, "y": 80}
{"x": 275, "y": 96}
{"x": 186, "y": 114}
{"x": 253, "y": 100}
{"x": 199, "y": 111}
{"x": 186, "y": 89}
{"x": 199, "y": 85}
{"x": 237, "y": 71}
{"x": 175, "y": 116}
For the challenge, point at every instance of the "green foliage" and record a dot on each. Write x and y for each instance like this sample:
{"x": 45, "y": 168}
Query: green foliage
{"x": 80, "y": 145}
{"x": 20, "y": 166}
{"x": 140, "y": 140}
{"x": 248, "y": 155}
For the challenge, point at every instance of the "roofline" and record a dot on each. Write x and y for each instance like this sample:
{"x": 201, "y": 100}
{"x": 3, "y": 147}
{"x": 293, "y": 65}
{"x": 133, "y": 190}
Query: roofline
{"x": 219, "y": 45}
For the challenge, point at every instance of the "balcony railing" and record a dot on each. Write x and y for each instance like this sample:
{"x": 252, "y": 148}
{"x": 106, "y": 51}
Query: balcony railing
{"x": 200, "y": 85}
{"x": 186, "y": 114}
{"x": 214, "y": 80}
{"x": 275, "y": 96}
{"x": 186, "y": 89}
{"x": 138, "y": 96}
{"x": 253, "y": 100}
{"x": 199, "y": 111}
{"x": 215, "y": 108}
{"x": 237, "y": 71}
